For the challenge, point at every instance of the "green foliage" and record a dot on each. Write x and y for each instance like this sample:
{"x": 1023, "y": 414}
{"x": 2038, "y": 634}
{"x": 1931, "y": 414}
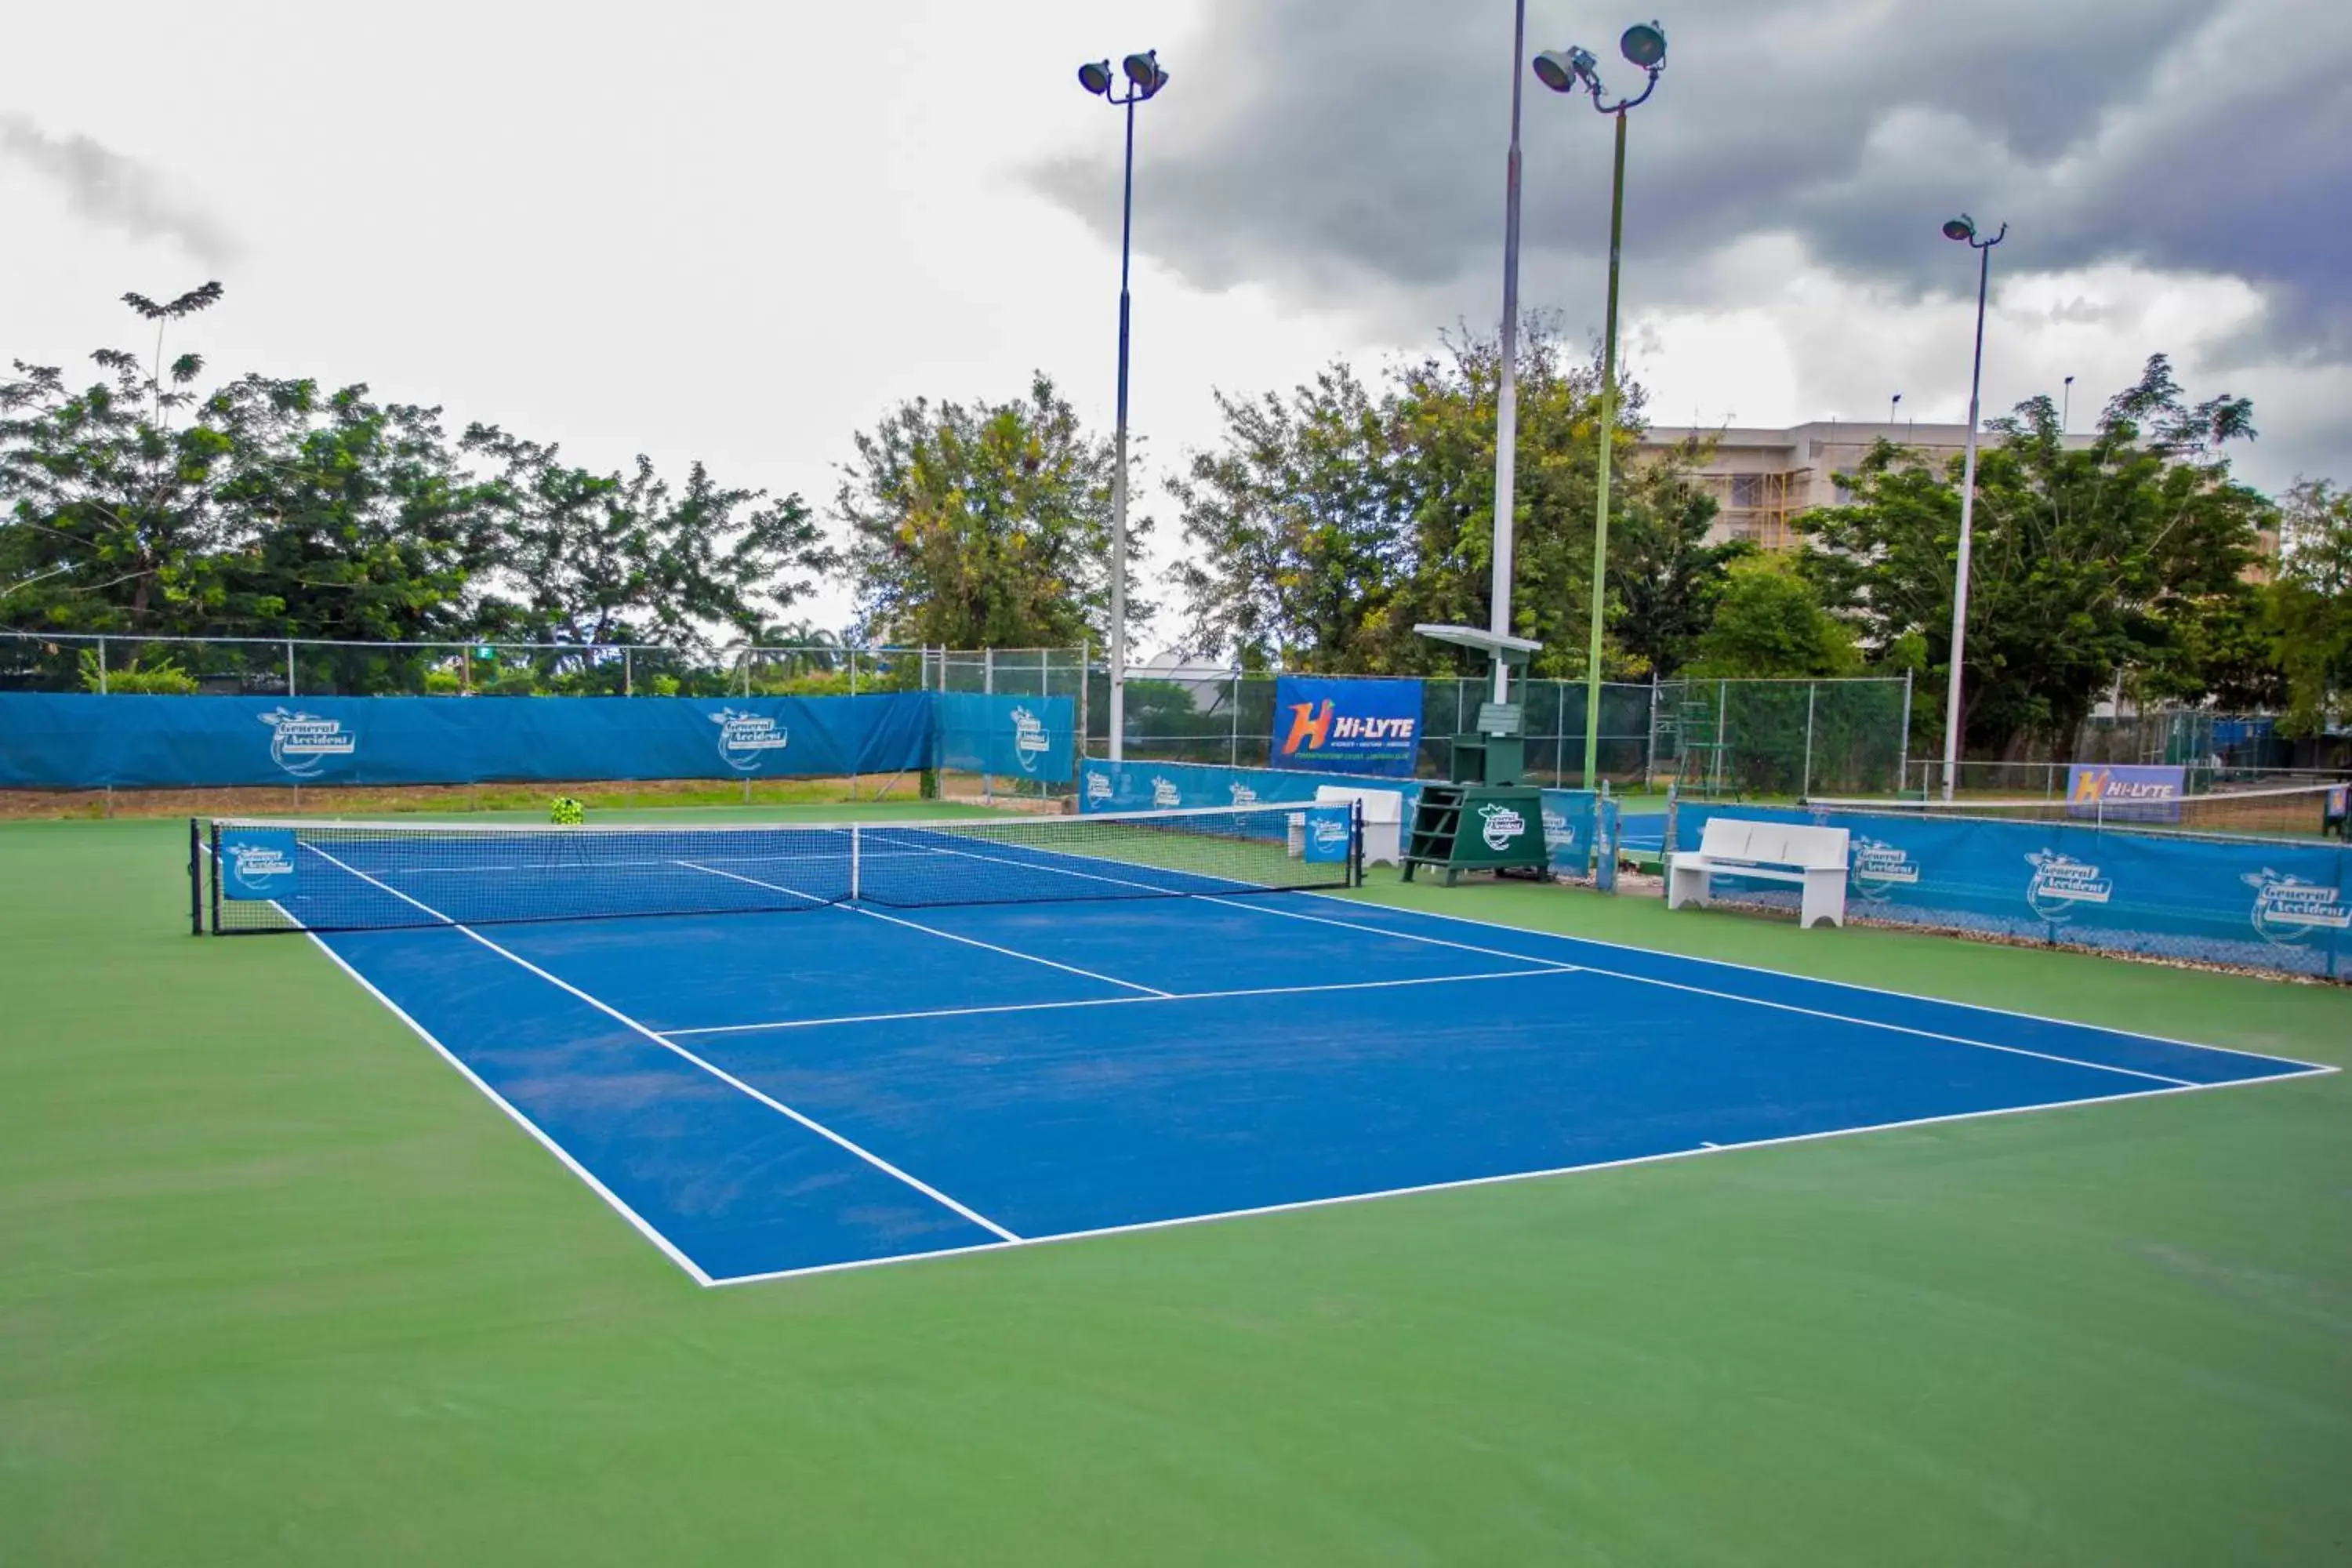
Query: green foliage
{"x": 1295, "y": 520}
{"x": 148, "y": 673}
{"x": 272, "y": 508}
{"x": 1666, "y": 578}
{"x": 985, "y": 525}
{"x": 1325, "y": 525}
{"x": 1445, "y": 409}
{"x": 2124, "y": 559}
{"x": 2309, "y": 616}
{"x": 602, "y": 559}
{"x": 821, "y": 683}
{"x": 1769, "y": 622}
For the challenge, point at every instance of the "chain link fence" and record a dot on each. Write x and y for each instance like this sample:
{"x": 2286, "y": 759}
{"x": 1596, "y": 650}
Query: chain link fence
{"x": 1715, "y": 738}
{"x": 259, "y": 666}
{"x": 1731, "y": 739}
{"x": 1784, "y": 739}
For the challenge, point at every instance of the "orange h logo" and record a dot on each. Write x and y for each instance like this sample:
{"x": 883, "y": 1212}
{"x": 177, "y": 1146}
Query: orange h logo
{"x": 1307, "y": 725}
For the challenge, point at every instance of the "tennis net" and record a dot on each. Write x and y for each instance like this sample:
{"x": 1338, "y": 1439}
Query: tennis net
{"x": 253, "y": 875}
{"x": 2300, "y": 811}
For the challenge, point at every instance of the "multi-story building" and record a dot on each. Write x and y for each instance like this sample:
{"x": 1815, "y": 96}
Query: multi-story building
{"x": 1761, "y": 479}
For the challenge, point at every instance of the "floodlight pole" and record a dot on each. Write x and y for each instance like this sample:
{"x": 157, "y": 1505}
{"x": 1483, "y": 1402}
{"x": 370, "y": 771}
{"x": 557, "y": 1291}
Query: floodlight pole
{"x": 1608, "y": 438}
{"x": 1144, "y": 80}
{"x": 1575, "y": 70}
{"x": 1118, "y": 474}
{"x": 1963, "y": 227}
{"x": 1507, "y": 391}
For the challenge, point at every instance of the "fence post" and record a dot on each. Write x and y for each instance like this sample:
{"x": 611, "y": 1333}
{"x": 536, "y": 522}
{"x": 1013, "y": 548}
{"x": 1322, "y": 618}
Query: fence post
{"x": 628, "y": 671}
{"x": 1085, "y": 670}
{"x": 988, "y": 687}
{"x": 1805, "y": 788}
{"x": 1903, "y": 758}
{"x": 1233, "y": 726}
{"x": 290, "y": 667}
{"x": 101, "y": 665}
{"x": 1722, "y": 712}
{"x": 1650, "y": 751}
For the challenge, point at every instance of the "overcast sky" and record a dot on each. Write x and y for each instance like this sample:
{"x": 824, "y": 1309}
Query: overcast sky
{"x": 741, "y": 233}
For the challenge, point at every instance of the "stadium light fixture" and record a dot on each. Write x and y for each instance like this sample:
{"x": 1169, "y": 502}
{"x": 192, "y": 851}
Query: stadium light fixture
{"x": 1963, "y": 229}
{"x": 1574, "y": 70}
{"x": 1145, "y": 77}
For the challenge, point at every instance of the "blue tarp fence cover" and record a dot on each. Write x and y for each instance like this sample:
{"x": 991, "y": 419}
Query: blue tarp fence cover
{"x": 1568, "y": 813}
{"x": 1018, "y": 737}
{"x": 2278, "y": 906}
{"x": 57, "y": 741}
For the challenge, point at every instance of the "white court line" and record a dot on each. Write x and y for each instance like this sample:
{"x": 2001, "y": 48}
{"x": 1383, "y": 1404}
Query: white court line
{"x": 721, "y": 1074}
{"x": 1468, "y": 1182}
{"x": 1812, "y": 980}
{"x": 934, "y": 930}
{"x": 644, "y": 1227}
{"x": 1638, "y": 979}
{"x": 1122, "y": 1001}
{"x": 1750, "y": 1001}
{"x": 1686, "y": 958}
{"x": 1620, "y": 974}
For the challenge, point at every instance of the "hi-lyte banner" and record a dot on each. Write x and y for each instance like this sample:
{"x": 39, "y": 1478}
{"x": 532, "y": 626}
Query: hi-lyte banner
{"x": 1347, "y": 726}
{"x": 2262, "y": 905}
{"x": 75, "y": 741}
{"x": 2117, "y": 791}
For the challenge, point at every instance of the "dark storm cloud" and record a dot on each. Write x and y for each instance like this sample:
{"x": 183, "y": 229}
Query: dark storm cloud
{"x": 115, "y": 190}
{"x": 1337, "y": 148}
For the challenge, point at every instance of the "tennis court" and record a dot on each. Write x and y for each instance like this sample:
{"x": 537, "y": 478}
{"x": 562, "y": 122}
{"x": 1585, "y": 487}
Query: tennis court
{"x": 872, "y": 1044}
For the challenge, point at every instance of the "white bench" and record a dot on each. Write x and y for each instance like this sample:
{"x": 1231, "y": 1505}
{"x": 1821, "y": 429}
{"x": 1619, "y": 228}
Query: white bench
{"x": 1813, "y": 858}
{"x": 1383, "y": 815}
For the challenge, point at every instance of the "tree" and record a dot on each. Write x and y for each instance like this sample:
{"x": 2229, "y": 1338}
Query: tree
{"x": 2114, "y": 560}
{"x": 1446, "y": 408}
{"x": 1296, "y": 519}
{"x": 2310, "y": 610}
{"x": 1666, "y": 577}
{"x": 986, "y": 525}
{"x": 345, "y": 520}
{"x": 609, "y": 558}
{"x": 110, "y": 507}
{"x": 1328, "y": 524}
{"x": 1769, "y": 622}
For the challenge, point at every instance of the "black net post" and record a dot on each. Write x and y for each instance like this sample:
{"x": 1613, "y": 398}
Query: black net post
{"x": 195, "y": 878}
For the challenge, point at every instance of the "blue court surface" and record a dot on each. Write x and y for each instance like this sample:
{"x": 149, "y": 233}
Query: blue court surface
{"x": 762, "y": 1094}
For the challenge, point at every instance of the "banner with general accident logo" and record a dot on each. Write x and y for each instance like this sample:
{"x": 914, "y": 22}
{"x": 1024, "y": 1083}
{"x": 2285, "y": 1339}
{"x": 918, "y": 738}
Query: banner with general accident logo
{"x": 2280, "y": 906}
{"x": 259, "y": 864}
{"x": 1012, "y": 737}
{"x": 1352, "y": 726}
{"x": 82, "y": 741}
